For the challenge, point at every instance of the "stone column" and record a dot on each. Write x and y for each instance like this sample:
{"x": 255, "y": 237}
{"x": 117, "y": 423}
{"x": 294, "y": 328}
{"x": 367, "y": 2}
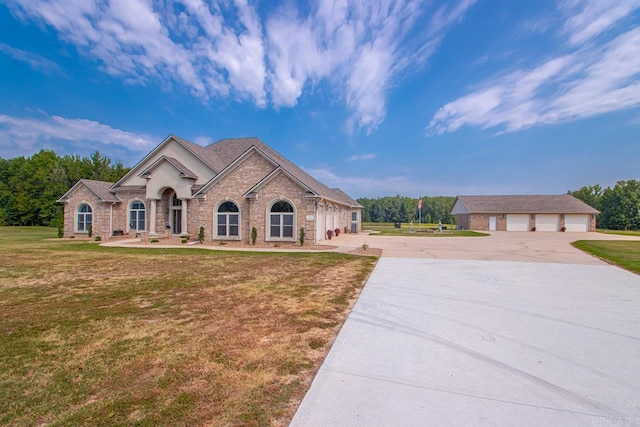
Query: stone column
{"x": 152, "y": 216}
{"x": 184, "y": 216}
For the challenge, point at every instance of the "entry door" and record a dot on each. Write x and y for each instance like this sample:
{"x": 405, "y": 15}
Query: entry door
{"x": 493, "y": 223}
{"x": 176, "y": 221}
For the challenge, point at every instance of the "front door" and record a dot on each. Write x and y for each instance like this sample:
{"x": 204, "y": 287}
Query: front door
{"x": 176, "y": 221}
{"x": 492, "y": 223}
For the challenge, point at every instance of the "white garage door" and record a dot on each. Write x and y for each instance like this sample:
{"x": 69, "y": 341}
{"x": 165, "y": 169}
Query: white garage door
{"x": 518, "y": 222}
{"x": 547, "y": 222}
{"x": 576, "y": 222}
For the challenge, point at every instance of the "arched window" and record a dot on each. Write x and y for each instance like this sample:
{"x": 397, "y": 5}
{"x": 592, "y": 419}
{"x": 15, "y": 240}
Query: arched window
{"x": 85, "y": 217}
{"x": 137, "y": 216}
{"x": 228, "y": 220}
{"x": 281, "y": 221}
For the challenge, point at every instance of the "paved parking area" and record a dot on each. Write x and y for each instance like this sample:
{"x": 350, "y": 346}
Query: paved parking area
{"x": 435, "y": 342}
{"x": 499, "y": 246}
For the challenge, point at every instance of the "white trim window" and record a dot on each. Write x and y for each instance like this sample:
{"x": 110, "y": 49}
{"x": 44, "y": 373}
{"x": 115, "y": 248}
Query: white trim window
{"x": 228, "y": 221}
{"x": 175, "y": 214}
{"x": 137, "y": 216}
{"x": 281, "y": 221}
{"x": 84, "y": 219}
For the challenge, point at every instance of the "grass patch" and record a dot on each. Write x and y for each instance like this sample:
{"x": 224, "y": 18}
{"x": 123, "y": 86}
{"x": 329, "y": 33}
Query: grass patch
{"x": 625, "y": 254}
{"x": 621, "y": 232}
{"x": 96, "y": 335}
{"x": 424, "y": 230}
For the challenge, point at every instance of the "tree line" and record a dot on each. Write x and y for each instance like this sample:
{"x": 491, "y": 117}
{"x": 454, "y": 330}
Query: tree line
{"x": 30, "y": 186}
{"x": 405, "y": 209}
{"x": 619, "y": 206}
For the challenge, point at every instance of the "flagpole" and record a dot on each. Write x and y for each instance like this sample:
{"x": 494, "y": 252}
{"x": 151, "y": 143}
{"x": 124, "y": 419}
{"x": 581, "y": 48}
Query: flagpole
{"x": 420, "y": 213}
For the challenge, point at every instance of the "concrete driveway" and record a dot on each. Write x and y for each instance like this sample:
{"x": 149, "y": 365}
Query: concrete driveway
{"x": 498, "y": 246}
{"x": 469, "y": 342}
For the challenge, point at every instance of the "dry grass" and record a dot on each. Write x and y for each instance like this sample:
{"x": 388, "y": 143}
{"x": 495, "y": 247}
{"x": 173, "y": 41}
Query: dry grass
{"x": 101, "y": 336}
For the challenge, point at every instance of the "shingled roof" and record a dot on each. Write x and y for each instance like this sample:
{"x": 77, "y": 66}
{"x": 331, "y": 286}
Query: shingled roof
{"x": 224, "y": 152}
{"x": 99, "y": 188}
{"x": 560, "y": 204}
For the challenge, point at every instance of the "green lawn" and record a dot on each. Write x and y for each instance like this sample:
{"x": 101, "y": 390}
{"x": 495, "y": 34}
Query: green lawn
{"x": 93, "y": 335}
{"x": 625, "y": 254}
{"x": 621, "y": 232}
{"x": 419, "y": 230}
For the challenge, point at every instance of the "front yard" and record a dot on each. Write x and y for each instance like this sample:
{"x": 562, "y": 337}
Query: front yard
{"x": 419, "y": 230}
{"x": 91, "y": 335}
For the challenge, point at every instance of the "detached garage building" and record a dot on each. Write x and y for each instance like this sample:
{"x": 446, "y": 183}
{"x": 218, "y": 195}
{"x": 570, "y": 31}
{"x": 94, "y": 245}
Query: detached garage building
{"x": 523, "y": 213}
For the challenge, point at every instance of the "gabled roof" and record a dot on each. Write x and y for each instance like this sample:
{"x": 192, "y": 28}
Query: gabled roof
{"x": 200, "y": 152}
{"x": 226, "y": 151}
{"x": 99, "y": 188}
{"x": 559, "y": 204}
{"x": 184, "y": 171}
{"x": 277, "y": 171}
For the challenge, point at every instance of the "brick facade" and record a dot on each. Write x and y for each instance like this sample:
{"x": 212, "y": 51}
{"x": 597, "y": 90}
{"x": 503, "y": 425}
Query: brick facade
{"x": 251, "y": 172}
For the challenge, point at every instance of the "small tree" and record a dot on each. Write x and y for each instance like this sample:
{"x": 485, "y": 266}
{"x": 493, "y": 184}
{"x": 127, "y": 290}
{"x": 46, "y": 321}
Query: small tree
{"x": 201, "y": 234}
{"x": 254, "y": 235}
{"x": 60, "y": 232}
{"x": 90, "y": 230}
{"x": 301, "y": 237}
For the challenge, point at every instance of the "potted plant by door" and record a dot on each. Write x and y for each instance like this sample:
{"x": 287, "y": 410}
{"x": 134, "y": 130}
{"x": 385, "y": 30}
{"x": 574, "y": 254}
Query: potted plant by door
{"x": 329, "y": 234}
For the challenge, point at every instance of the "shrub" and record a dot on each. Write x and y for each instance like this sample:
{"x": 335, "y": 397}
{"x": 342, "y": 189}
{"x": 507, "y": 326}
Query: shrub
{"x": 60, "y": 232}
{"x": 329, "y": 234}
{"x": 365, "y": 246}
{"x": 301, "y": 237}
{"x": 222, "y": 243}
{"x": 154, "y": 240}
{"x": 98, "y": 238}
{"x": 337, "y": 231}
{"x": 201, "y": 234}
{"x": 254, "y": 235}
{"x": 185, "y": 240}
{"x": 90, "y": 230}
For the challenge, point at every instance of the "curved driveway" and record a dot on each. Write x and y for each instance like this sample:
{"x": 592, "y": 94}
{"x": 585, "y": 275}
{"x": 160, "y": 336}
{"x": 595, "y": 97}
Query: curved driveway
{"x": 511, "y": 329}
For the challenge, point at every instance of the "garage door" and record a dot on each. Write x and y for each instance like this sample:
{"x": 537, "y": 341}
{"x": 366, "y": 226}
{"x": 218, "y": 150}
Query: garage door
{"x": 576, "y": 222}
{"x": 518, "y": 222}
{"x": 547, "y": 222}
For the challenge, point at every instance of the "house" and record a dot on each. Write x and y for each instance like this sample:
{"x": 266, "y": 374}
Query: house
{"x": 524, "y": 213}
{"x": 228, "y": 187}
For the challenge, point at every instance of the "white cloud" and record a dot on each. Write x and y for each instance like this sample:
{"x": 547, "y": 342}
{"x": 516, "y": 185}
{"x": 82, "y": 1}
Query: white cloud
{"x": 362, "y": 157}
{"x": 23, "y": 135}
{"x": 583, "y": 81}
{"x": 225, "y": 49}
{"x": 35, "y": 61}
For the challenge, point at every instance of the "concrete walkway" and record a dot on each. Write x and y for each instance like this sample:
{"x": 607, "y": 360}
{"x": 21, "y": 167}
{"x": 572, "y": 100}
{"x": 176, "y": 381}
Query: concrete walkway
{"x": 484, "y": 343}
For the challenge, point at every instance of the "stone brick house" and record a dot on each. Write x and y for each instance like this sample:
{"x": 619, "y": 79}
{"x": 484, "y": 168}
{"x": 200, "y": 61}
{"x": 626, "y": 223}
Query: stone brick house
{"x": 227, "y": 187}
{"x": 524, "y": 213}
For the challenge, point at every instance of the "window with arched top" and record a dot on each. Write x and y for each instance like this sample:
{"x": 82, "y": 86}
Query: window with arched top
{"x": 228, "y": 220}
{"x": 85, "y": 218}
{"x": 281, "y": 221}
{"x": 137, "y": 216}
{"x": 175, "y": 214}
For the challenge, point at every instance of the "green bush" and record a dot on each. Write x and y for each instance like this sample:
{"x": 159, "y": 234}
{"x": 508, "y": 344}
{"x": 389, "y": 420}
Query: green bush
{"x": 201, "y": 234}
{"x": 154, "y": 240}
{"x": 98, "y": 238}
{"x": 301, "y": 237}
{"x": 254, "y": 235}
{"x": 90, "y": 230}
{"x": 60, "y": 232}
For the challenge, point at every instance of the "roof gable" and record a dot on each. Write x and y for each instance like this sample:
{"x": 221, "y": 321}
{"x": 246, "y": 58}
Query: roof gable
{"x": 182, "y": 169}
{"x": 100, "y": 188}
{"x": 206, "y": 160}
{"x": 267, "y": 179}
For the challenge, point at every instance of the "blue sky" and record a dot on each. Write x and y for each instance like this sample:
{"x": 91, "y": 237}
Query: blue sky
{"x": 376, "y": 97}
